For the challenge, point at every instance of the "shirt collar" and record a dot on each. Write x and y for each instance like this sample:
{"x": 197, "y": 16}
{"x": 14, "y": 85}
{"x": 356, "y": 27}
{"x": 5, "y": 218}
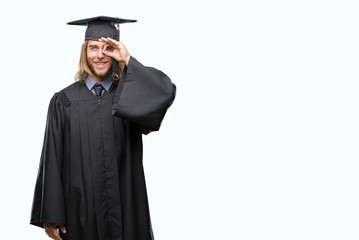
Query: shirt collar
{"x": 105, "y": 83}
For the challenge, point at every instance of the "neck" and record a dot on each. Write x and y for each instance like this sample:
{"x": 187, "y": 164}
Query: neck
{"x": 100, "y": 78}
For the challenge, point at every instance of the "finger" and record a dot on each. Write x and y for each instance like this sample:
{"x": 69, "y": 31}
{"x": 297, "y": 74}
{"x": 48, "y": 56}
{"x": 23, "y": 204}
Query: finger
{"x": 118, "y": 44}
{"x": 102, "y": 39}
{"x": 55, "y": 234}
{"x": 110, "y": 53}
{"x": 108, "y": 41}
{"x": 47, "y": 232}
{"x": 113, "y": 40}
{"x": 107, "y": 53}
{"x": 62, "y": 228}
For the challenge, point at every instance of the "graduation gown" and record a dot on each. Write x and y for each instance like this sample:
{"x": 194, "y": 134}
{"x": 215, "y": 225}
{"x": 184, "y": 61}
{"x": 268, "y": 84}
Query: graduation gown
{"x": 91, "y": 175}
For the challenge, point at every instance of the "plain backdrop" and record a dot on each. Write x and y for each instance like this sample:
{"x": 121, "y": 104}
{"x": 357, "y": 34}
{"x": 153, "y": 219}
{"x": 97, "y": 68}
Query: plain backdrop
{"x": 262, "y": 139}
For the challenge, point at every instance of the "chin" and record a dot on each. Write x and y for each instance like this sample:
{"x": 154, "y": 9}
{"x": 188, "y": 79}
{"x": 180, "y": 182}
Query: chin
{"x": 103, "y": 74}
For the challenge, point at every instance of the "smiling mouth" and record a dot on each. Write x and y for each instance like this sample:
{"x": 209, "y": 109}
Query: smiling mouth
{"x": 100, "y": 63}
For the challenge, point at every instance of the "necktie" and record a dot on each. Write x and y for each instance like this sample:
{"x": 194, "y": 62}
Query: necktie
{"x": 98, "y": 89}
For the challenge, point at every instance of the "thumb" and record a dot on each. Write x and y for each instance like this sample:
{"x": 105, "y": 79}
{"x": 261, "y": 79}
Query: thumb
{"x": 62, "y": 228}
{"x": 108, "y": 53}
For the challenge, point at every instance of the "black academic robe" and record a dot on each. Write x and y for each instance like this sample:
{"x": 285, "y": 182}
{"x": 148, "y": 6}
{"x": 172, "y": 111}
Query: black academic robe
{"x": 91, "y": 175}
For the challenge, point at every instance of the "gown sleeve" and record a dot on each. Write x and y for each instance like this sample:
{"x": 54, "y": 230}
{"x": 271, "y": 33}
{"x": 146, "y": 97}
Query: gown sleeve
{"x": 48, "y": 202}
{"x": 143, "y": 96}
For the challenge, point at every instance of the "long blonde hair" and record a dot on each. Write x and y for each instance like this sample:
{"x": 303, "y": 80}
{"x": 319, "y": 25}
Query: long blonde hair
{"x": 84, "y": 69}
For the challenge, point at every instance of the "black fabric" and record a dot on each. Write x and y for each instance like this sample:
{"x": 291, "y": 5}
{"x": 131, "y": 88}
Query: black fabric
{"x": 143, "y": 96}
{"x": 91, "y": 175}
{"x": 101, "y": 26}
{"x": 98, "y": 29}
{"x": 86, "y": 21}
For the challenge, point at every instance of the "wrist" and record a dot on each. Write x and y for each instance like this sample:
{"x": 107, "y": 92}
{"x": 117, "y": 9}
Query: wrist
{"x": 127, "y": 59}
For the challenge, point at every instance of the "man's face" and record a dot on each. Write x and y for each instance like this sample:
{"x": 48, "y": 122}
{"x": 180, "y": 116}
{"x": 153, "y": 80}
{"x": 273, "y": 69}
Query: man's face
{"x": 99, "y": 63}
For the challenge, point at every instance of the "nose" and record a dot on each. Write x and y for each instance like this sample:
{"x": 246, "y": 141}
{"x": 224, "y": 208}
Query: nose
{"x": 100, "y": 54}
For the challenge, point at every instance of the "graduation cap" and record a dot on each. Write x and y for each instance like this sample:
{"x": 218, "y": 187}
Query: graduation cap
{"x": 102, "y": 26}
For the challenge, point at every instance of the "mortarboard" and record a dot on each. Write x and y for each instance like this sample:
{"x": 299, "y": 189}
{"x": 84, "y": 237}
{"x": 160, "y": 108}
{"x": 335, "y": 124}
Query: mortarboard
{"x": 102, "y": 26}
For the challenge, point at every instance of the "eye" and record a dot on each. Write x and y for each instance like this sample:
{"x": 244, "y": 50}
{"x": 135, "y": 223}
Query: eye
{"x": 93, "y": 47}
{"x": 109, "y": 48}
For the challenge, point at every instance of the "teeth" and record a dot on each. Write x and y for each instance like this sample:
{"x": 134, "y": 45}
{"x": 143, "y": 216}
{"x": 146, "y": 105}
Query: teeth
{"x": 100, "y": 63}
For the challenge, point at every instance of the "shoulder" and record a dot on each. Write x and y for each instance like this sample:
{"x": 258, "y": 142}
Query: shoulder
{"x": 74, "y": 87}
{"x": 59, "y": 99}
{"x": 74, "y": 92}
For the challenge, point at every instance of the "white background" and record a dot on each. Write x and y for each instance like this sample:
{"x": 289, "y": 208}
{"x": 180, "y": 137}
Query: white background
{"x": 262, "y": 140}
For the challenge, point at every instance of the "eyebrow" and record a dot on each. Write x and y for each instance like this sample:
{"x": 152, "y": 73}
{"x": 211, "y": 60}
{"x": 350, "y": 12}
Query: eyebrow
{"x": 93, "y": 45}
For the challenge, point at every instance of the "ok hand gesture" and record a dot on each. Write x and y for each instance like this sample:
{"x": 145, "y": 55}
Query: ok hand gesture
{"x": 116, "y": 50}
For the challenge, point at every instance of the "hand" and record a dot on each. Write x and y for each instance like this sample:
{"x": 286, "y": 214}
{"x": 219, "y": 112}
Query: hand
{"x": 118, "y": 51}
{"x": 51, "y": 230}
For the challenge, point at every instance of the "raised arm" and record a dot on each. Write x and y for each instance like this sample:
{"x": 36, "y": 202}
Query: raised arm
{"x": 144, "y": 93}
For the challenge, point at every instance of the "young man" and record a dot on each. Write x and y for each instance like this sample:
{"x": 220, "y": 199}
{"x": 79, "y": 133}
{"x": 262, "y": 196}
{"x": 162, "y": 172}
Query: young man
{"x": 91, "y": 184}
